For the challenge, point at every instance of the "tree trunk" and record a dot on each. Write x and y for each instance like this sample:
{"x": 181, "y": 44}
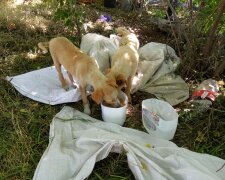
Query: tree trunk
{"x": 190, "y": 4}
{"x": 220, "y": 68}
{"x": 179, "y": 27}
{"x": 209, "y": 42}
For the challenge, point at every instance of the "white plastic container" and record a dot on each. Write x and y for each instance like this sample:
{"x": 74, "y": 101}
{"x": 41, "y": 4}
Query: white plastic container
{"x": 115, "y": 115}
{"x": 159, "y": 118}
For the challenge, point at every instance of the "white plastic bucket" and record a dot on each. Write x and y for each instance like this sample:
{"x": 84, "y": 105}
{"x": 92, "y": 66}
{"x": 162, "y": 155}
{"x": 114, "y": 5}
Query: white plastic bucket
{"x": 115, "y": 115}
{"x": 159, "y": 118}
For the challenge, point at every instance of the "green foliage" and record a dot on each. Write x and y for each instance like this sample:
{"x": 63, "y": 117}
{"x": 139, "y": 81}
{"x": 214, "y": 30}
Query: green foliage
{"x": 207, "y": 17}
{"x": 72, "y": 14}
{"x": 157, "y": 12}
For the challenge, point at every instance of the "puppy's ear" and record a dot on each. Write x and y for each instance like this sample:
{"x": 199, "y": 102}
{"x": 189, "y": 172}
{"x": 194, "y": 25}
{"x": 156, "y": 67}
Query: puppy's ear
{"x": 112, "y": 83}
{"x": 122, "y": 31}
{"x": 120, "y": 81}
{"x": 97, "y": 96}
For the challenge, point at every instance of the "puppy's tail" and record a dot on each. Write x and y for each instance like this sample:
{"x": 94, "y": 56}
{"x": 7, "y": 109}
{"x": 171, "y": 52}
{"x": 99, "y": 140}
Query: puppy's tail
{"x": 122, "y": 31}
{"x": 43, "y": 46}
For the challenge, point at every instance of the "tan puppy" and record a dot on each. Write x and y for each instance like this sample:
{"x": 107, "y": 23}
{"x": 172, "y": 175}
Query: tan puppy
{"x": 125, "y": 60}
{"x": 127, "y": 38}
{"x": 82, "y": 68}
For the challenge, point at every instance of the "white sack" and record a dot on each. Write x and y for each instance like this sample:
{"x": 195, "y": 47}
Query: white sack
{"x": 43, "y": 85}
{"x": 100, "y": 48}
{"x": 149, "y": 62}
{"x": 77, "y": 142}
{"x": 170, "y": 88}
{"x": 156, "y": 74}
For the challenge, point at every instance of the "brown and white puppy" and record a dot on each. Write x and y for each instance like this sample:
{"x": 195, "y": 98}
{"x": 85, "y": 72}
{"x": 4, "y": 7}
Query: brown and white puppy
{"x": 82, "y": 68}
{"x": 125, "y": 61}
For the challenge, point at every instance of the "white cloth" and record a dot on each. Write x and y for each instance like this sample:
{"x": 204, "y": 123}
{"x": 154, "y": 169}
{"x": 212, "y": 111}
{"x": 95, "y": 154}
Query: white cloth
{"x": 100, "y": 48}
{"x": 43, "y": 85}
{"x": 157, "y": 65}
{"x": 77, "y": 142}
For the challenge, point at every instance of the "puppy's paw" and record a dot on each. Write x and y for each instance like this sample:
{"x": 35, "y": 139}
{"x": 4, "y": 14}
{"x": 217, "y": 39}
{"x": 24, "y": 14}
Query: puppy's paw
{"x": 66, "y": 85}
{"x": 44, "y": 52}
{"x": 87, "y": 109}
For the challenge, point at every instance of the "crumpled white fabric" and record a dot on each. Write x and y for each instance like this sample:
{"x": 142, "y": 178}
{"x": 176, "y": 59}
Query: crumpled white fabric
{"x": 156, "y": 73}
{"x": 43, "y": 85}
{"x": 77, "y": 141}
{"x": 100, "y": 48}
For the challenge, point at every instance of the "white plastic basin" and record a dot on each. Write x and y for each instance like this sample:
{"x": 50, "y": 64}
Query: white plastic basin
{"x": 115, "y": 115}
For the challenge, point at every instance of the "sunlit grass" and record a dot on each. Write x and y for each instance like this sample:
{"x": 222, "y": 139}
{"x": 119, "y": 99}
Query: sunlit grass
{"x": 16, "y": 3}
{"x": 12, "y": 17}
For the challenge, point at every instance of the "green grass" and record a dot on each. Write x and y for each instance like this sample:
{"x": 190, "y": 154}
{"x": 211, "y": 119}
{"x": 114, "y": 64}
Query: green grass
{"x": 24, "y": 123}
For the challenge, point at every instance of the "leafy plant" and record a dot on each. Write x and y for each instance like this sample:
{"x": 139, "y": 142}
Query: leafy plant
{"x": 202, "y": 35}
{"x": 72, "y": 14}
